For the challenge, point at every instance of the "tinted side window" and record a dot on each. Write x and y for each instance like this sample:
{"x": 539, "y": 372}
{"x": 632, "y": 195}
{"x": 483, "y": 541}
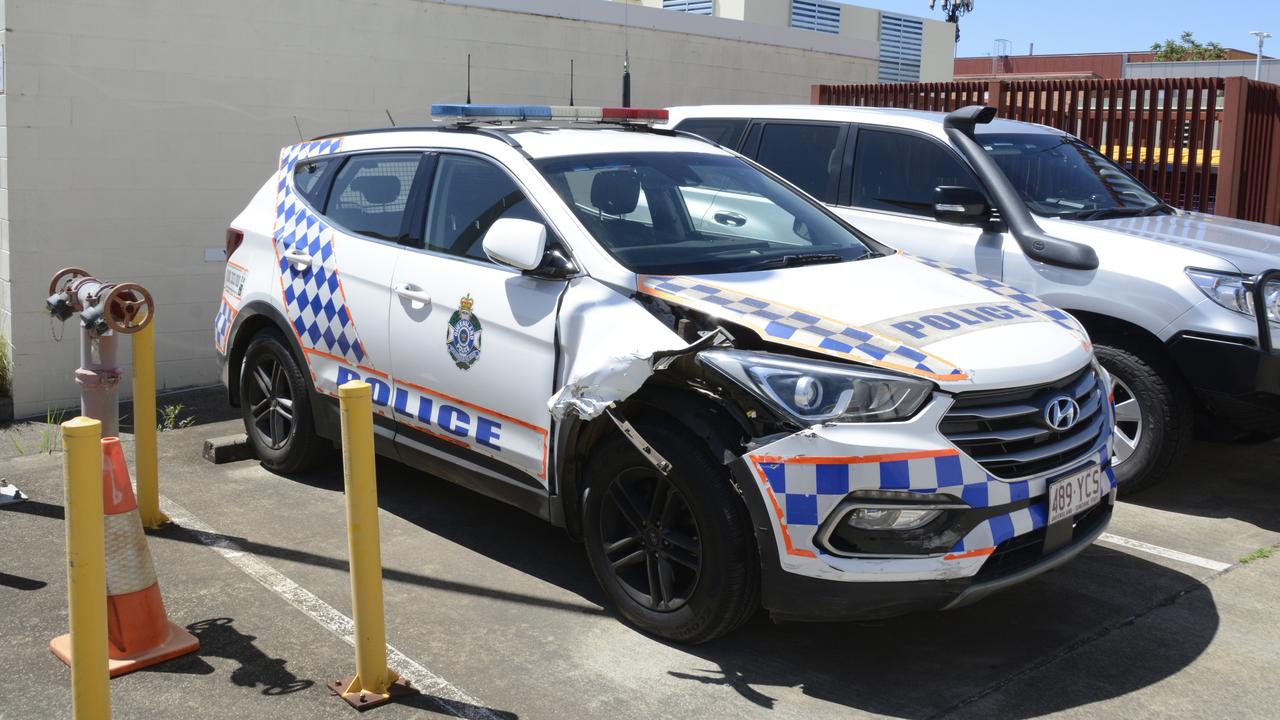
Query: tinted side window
{"x": 370, "y": 193}
{"x": 311, "y": 179}
{"x": 807, "y": 155}
{"x": 898, "y": 172}
{"x": 726, "y": 131}
{"x": 467, "y": 196}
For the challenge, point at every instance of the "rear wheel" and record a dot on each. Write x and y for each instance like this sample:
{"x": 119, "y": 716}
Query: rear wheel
{"x": 276, "y": 405}
{"x": 674, "y": 552}
{"x": 1154, "y": 416}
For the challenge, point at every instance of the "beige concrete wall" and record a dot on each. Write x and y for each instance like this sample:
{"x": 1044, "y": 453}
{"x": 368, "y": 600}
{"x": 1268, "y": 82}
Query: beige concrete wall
{"x": 768, "y": 12}
{"x": 860, "y": 23}
{"x": 137, "y": 129}
{"x": 937, "y": 63}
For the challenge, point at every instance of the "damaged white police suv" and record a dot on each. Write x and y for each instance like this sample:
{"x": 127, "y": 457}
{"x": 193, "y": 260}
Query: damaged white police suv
{"x": 731, "y": 396}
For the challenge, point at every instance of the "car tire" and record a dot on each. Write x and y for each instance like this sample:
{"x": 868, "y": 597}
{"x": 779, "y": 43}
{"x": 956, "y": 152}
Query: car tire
{"x": 275, "y": 402}
{"x": 675, "y": 553}
{"x": 1154, "y": 416}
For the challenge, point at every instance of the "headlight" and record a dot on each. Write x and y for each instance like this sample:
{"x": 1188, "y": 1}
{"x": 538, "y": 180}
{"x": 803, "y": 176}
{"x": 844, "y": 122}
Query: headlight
{"x": 1229, "y": 291}
{"x": 812, "y": 391}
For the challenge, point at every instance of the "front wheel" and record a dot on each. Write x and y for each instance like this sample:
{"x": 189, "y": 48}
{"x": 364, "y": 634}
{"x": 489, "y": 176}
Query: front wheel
{"x": 674, "y": 552}
{"x": 1154, "y": 416}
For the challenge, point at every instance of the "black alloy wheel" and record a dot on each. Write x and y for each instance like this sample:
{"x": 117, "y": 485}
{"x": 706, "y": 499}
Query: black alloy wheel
{"x": 271, "y": 403}
{"x": 651, "y": 539}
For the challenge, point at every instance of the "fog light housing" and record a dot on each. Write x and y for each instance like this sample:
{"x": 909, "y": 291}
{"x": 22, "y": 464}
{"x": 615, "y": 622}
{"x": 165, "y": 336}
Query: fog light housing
{"x": 877, "y": 518}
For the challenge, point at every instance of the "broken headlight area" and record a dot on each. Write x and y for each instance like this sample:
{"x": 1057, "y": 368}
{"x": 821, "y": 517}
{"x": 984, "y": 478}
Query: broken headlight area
{"x": 815, "y": 391}
{"x": 871, "y": 523}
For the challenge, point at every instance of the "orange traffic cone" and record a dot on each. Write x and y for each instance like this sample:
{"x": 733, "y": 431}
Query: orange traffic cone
{"x": 139, "y": 633}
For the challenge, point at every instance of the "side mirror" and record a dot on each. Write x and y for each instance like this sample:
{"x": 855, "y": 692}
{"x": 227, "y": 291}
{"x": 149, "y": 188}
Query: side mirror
{"x": 516, "y": 243}
{"x": 960, "y": 205}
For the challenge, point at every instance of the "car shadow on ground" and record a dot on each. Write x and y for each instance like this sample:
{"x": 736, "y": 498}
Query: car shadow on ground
{"x": 1222, "y": 480}
{"x": 917, "y": 666}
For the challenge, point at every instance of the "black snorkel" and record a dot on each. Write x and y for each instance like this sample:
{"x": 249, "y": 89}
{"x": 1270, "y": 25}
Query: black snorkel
{"x": 1035, "y": 243}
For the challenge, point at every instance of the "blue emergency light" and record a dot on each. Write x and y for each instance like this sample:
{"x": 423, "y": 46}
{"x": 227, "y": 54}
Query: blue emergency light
{"x": 571, "y": 113}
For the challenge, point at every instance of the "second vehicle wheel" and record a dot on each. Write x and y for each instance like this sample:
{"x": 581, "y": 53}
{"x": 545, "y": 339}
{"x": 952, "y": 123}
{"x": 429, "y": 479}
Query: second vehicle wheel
{"x": 276, "y": 406}
{"x": 1154, "y": 417}
{"x": 674, "y": 552}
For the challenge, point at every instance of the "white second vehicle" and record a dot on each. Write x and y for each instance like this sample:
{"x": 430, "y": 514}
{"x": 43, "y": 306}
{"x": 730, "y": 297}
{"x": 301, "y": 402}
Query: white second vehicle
{"x": 572, "y": 319}
{"x": 1182, "y": 305}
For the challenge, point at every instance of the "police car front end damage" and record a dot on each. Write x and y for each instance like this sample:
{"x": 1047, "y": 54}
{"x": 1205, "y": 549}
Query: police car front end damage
{"x": 886, "y": 486}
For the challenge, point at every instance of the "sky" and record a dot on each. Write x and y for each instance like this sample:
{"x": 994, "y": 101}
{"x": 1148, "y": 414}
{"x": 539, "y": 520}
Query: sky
{"x": 1101, "y": 25}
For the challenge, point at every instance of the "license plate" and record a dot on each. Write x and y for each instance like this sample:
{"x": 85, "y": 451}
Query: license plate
{"x": 1075, "y": 493}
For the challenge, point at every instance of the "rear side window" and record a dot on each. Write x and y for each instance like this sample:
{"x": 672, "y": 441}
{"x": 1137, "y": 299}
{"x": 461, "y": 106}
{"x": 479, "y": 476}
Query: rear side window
{"x": 311, "y": 179}
{"x": 370, "y": 193}
{"x": 722, "y": 131}
{"x": 897, "y": 172}
{"x": 467, "y": 196}
{"x": 807, "y": 155}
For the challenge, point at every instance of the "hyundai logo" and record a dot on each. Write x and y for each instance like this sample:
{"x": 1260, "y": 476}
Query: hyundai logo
{"x": 1061, "y": 413}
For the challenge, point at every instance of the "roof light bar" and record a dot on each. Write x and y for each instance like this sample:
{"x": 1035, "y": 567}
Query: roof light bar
{"x": 564, "y": 113}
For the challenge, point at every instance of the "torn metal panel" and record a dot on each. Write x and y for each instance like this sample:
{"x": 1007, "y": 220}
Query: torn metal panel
{"x": 608, "y": 343}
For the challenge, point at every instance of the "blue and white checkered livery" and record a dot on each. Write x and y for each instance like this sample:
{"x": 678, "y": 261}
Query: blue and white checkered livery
{"x": 789, "y": 326}
{"x": 222, "y": 324}
{"x": 313, "y": 295}
{"x": 806, "y": 489}
{"x": 1030, "y": 302}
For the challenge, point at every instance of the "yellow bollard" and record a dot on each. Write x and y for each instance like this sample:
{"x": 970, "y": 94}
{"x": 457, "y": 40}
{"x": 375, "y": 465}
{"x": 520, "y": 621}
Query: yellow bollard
{"x": 374, "y": 683}
{"x": 144, "y": 427}
{"x": 86, "y": 568}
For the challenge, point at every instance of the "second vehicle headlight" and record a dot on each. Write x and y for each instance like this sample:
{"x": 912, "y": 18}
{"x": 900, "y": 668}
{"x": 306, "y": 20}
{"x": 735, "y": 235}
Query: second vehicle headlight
{"x": 813, "y": 391}
{"x": 1229, "y": 291}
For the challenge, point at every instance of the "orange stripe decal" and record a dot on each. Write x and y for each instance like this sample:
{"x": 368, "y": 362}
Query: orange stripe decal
{"x": 981, "y": 552}
{"x": 856, "y": 459}
{"x": 777, "y": 509}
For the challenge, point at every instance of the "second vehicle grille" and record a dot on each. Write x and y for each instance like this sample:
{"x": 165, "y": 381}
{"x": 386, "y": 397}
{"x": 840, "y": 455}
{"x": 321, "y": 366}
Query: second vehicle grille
{"x": 1005, "y": 430}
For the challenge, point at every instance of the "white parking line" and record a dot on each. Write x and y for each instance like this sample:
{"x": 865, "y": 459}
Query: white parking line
{"x": 325, "y": 614}
{"x": 1140, "y": 546}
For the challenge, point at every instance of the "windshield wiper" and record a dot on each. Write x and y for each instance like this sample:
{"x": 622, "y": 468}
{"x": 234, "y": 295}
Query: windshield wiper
{"x": 813, "y": 258}
{"x": 1114, "y": 212}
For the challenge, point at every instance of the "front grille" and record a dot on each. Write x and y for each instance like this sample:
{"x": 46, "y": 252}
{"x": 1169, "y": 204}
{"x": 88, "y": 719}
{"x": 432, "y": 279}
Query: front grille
{"x": 1005, "y": 432}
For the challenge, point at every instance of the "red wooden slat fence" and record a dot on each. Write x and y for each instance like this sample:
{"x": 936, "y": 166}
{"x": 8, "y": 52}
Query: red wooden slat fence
{"x": 1204, "y": 144}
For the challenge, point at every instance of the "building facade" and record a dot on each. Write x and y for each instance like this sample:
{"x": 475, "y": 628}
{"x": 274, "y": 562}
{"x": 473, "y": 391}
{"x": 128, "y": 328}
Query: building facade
{"x": 133, "y": 131}
{"x": 908, "y": 48}
{"x": 1075, "y": 66}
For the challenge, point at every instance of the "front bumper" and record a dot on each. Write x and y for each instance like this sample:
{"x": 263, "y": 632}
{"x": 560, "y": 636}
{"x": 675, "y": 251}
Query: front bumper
{"x": 794, "y": 485}
{"x": 1234, "y": 378}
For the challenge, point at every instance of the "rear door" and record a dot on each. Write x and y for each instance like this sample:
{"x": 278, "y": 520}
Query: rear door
{"x": 338, "y": 247}
{"x": 890, "y": 197}
{"x": 811, "y": 155}
{"x": 473, "y": 343}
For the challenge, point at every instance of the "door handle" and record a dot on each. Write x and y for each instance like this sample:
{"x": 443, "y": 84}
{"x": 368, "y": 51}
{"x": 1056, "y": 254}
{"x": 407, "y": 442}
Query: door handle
{"x": 731, "y": 219}
{"x": 298, "y": 258}
{"x": 412, "y": 292}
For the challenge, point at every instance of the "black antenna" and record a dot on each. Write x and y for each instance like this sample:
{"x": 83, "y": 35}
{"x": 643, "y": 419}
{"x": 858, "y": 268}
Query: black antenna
{"x": 626, "y": 79}
{"x": 468, "y": 78}
{"x": 393, "y": 120}
{"x": 295, "y": 124}
{"x": 570, "y": 82}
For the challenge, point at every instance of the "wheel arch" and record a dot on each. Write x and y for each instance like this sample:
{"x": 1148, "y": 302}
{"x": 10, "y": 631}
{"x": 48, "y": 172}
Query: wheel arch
{"x": 1110, "y": 330}
{"x": 708, "y": 419}
{"x": 252, "y": 319}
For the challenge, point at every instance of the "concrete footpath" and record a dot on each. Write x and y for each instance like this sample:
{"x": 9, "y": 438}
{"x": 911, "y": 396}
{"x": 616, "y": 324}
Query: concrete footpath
{"x": 497, "y": 615}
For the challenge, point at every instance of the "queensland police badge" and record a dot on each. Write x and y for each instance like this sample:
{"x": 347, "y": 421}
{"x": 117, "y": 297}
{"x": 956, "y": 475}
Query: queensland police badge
{"x": 462, "y": 336}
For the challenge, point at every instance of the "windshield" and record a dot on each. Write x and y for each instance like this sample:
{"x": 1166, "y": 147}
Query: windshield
{"x": 697, "y": 213}
{"x": 1060, "y": 176}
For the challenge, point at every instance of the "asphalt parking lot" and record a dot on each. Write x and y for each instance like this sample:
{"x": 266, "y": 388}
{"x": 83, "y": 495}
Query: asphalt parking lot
{"x": 495, "y": 614}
